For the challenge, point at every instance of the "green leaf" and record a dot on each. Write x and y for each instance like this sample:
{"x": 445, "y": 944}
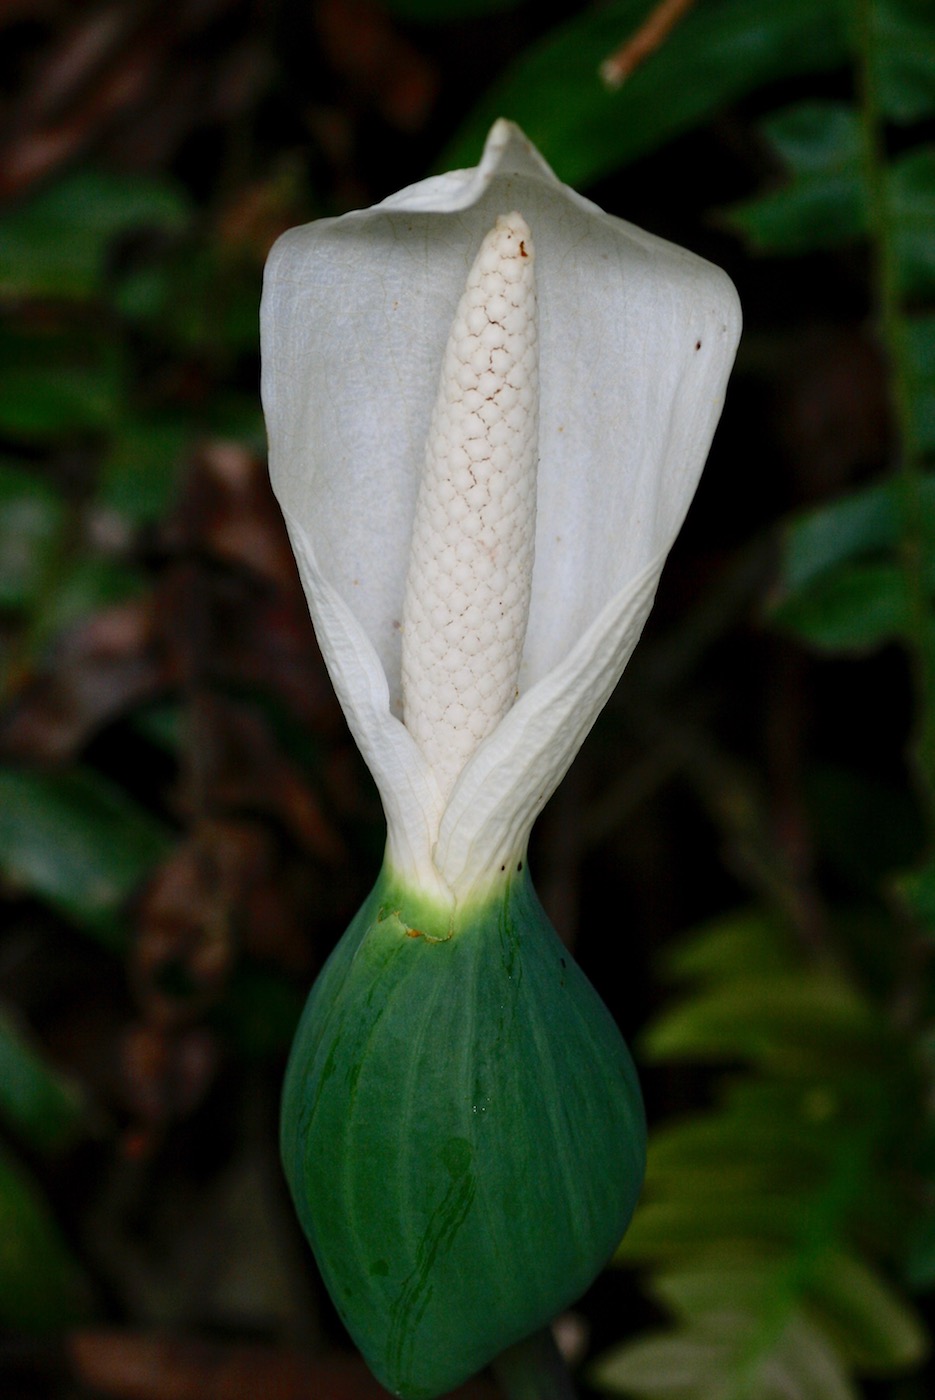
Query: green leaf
{"x": 664, "y": 1366}
{"x": 862, "y": 523}
{"x": 87, "y": 584}
{"x": 56, "y": 245}
{"x": 77, "y": 842}
{"x": 32, "y": 515}
{"x": 42, "y": 1287}
{"x": 788, "y": 1151}
{"x": 836, "y": 591}
{"x": 742, "y": 943}
{"x": 58, "y": 381}
{"x": 722, "y": 50}
{"x": 911, "y": 187}
{"x": 788, "y": 1022}
{"x": 674, "y": 1227}
{"x": 141, "y": 471}
{"x": 39, "y": 402}
{"x": 871, "y": 1326}
{"x": 45, "y": 1108}
{"x": 856, "y": 608}
{"x": 734, "y": 1359}
{"x": 863, "y": 827}
{"x": 823, "y": 204}
{"x": 904, "y": 38}
{"x": 919, "y": 345}
{"x": 920, "y": 1263}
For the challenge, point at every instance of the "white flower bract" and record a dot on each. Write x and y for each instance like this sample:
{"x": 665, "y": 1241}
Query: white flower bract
{"x": 636, "y": 338}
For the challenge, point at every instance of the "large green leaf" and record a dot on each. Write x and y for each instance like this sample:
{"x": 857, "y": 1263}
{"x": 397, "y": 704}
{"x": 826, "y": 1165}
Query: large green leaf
{"x": 722, "y": 50}
{"x": 77, "y": 842}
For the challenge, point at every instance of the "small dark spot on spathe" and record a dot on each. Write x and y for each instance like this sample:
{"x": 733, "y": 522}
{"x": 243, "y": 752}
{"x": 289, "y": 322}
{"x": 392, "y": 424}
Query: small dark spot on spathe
{"x": 519, "y": 867}
{"x": 697, "y": 344}
{"x": 522, "y": 248}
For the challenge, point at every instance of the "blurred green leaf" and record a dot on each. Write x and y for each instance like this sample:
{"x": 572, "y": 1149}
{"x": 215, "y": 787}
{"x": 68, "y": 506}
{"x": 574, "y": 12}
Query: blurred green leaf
{"x": 786, "y": 1022}
{"x": 31, "y": 518}
{"x": 58, "y": 381}
{"x": 920, "y": 1263}
{"x": 45, "y": 1108}
{"x": 84, "y": 585}
{"x": 865, "y": 522}
{"x": 77, "y": 842}
{"x": 722, "y": 50}
{"x": 917, "y": 889}
{"x": 741, "y": 943}
{"x": 857, "y": 607}
{"x": 866, "y": 828}
{"x": 904, "y": 36}
{"x": 823, "y": 203}
{"x": 838, "y": 588}
{"x": 674, "y": 1226}
{"x": 911, "y": 181}
{"x": 42, "y": 1287}
{"x": 39, "y": 402}
{"x": 56, "y": 244}
{"x": 731, "y": 1359}
{"x": 872, "y": 1327}
{"x": 791, "y": 1149}
{"x": 142, "y": 467}
{"x": 919, "y": 344}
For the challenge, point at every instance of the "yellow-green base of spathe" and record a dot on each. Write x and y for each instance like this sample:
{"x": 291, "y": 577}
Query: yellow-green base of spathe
{"x": 462, "y": 1131}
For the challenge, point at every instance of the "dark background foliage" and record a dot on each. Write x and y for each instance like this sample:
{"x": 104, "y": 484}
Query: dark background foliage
{"x": 742, "y": 857}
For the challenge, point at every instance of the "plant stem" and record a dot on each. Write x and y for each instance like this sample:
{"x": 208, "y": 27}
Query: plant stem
{"x": 533, "y": 1369}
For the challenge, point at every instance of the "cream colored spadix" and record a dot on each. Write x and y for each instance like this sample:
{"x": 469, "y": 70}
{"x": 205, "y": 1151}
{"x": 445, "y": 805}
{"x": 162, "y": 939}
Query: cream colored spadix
{"x": 636, "y": 340}
{"x": 473, "y": 540}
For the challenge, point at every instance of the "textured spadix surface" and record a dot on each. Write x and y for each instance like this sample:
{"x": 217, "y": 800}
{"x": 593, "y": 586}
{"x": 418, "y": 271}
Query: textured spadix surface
{"x": 462, "y": 1131}
{"x": 636, "y": 340}
{"x": 473, "y": 539}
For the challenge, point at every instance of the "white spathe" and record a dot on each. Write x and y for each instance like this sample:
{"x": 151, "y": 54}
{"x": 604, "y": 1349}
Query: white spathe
{"x": 636, "y": 342}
